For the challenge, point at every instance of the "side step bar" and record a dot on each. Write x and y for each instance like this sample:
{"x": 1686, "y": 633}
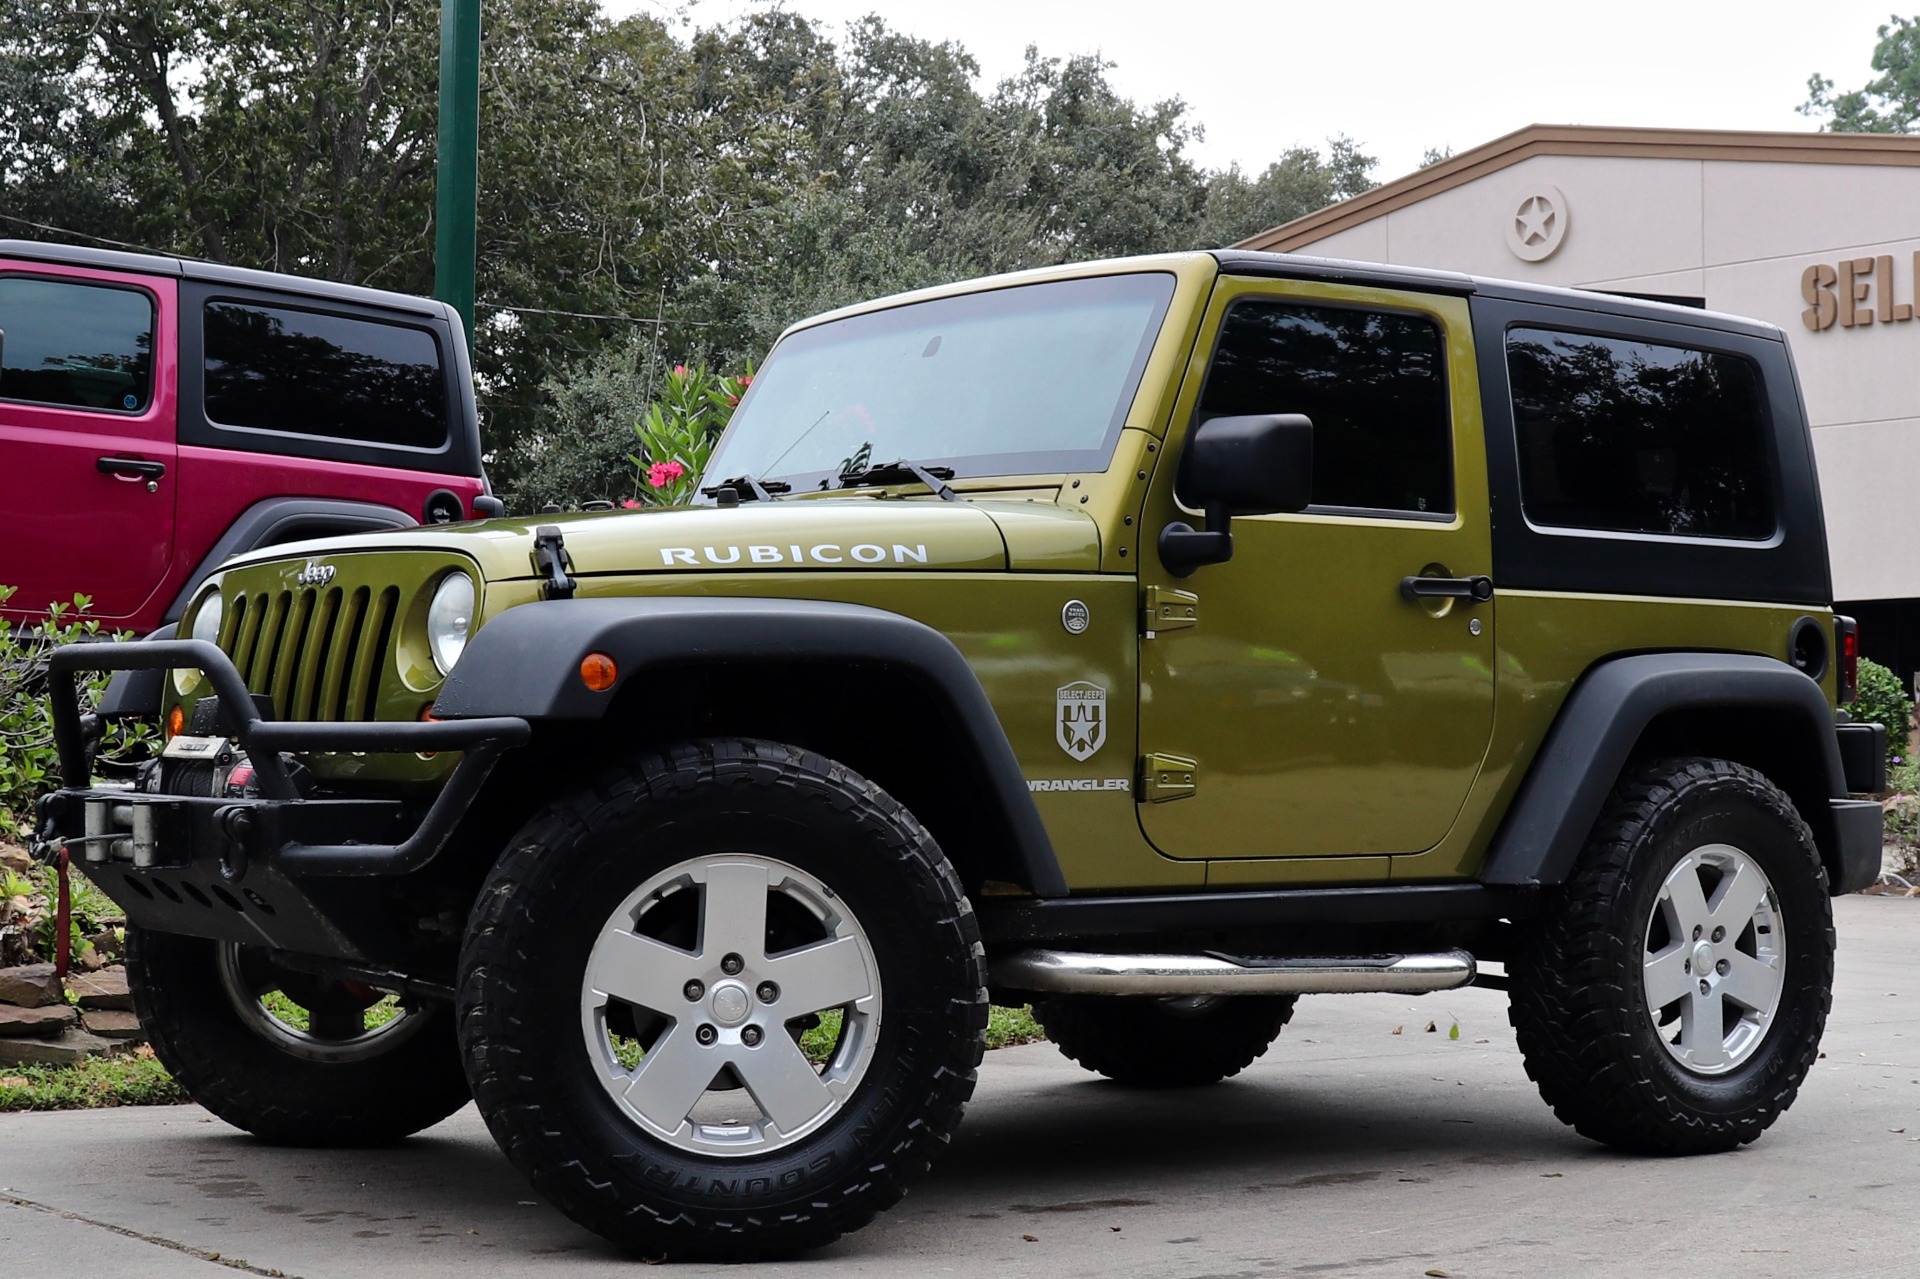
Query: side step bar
{"x": 1076, "y": 972}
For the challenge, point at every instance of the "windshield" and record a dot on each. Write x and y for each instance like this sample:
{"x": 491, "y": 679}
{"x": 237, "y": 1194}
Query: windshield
{"x": 1018, "y": 381}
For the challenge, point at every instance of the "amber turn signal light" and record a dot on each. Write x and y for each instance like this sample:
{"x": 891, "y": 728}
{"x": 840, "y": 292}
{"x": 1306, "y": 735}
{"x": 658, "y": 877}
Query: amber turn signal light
{"x": 176, "y": 721}
{"x": 598, "y": 672}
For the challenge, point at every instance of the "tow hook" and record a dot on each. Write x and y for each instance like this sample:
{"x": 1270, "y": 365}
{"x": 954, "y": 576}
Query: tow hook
{"x": 237, "y": 824}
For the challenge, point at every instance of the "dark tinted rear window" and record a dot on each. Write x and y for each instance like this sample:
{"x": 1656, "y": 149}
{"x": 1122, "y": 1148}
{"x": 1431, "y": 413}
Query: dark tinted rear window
{"x": 308, "y": 373}
{"x": 1638, "y": 437}
{"x": 1374, "y": 383}
{"x": 76, "y": 345}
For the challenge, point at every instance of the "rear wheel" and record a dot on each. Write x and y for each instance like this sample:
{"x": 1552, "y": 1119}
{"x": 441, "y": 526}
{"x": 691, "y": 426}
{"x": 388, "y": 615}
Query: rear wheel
{"x": 726, "y": 1002}
{"x": 1673, "y": 997}
{"x": 1164, "y": 1043}
{"x": 291, "y": 1057}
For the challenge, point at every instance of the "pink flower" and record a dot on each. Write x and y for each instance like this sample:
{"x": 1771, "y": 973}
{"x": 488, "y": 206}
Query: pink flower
{"x": 732, "y": 400}
{"x": 745, "y": 380}
{"x": 679, "y": 370}
{"x": 631, "y": 505}
{"x": 661, "y": 474}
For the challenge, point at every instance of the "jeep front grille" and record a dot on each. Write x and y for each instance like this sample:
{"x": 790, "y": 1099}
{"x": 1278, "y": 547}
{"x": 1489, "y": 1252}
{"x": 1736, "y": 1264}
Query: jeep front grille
{"x": 318, "y": 652}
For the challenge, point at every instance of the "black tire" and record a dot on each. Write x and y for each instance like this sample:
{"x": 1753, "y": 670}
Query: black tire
{"x": 538, "y": 1074}
{"x": 1592, "y": 1039}
{"x": 1163, "y": 1043}
{"x": 410, "y": 1082}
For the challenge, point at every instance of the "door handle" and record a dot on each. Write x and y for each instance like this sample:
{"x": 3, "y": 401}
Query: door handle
{"x": 1477, "y": 589}
{"x": 130, "y": 468}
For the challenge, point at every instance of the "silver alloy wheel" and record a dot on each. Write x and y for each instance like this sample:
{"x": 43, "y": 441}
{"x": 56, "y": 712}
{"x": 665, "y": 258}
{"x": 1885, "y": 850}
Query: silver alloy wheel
{"x": 1715, "y": 961}
{"x": 714, "y": 1032}
{"x": 335, "y": 1037}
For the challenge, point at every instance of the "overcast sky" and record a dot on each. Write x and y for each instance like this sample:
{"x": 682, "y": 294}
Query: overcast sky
{"x": 1398, "y": 76}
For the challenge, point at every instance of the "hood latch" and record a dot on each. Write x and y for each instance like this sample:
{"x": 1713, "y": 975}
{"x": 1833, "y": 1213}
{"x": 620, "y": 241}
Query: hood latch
{"x": 551, "y": 561}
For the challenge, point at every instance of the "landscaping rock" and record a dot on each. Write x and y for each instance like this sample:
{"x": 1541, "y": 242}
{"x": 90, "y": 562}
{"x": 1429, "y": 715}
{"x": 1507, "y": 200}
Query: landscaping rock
{"x": 73, "y": 1046}
{"x": 38, "y": 1023}
{"x": 112, "y": 1023}
{"x": 104, "y": 989}
{"x": 32, "y": 986}
{"x": 15, "y": 858}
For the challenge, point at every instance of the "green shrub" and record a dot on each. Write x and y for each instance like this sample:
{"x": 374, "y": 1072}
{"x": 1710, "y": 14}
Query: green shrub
{"x": 1882, "y": 700}
{"x": 28, "y": 761}
{"x": 678, "y": 431}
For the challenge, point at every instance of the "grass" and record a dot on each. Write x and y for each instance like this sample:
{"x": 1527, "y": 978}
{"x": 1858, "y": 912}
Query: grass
{"x": 1009, "y": 1027}
{"x": 139, "y": 1080}
{"x": 134, "y": 1080}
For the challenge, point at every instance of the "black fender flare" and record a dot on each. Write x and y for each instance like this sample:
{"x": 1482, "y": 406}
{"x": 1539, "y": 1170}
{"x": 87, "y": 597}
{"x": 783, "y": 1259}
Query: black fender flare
{"x": 1603, "y": 719}
{"x": 287, "y": 519}
{"x": 526, "y": 663}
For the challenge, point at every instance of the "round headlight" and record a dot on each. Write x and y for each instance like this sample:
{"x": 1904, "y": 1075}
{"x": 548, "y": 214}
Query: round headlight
{"x": 206, "y": 626}
{"x": 450, "y": 619}
{"x": 206, "y": 622}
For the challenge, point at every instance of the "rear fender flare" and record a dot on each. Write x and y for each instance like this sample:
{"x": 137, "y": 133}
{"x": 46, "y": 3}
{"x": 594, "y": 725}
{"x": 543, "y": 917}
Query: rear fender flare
{"x": 1604, "y": 719}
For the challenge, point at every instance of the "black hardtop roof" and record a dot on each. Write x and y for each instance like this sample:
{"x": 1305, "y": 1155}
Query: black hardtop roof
{"x": 216, "y": 273}
{"x": 1297, "y": 266}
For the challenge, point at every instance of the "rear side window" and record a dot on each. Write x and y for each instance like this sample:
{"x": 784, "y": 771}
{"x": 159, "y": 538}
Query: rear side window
{"x": 84, "y": 346}
{"x": 1626, "y": 436}
{"x": 1374, "y": 383}
{"x": 334, "y": 376}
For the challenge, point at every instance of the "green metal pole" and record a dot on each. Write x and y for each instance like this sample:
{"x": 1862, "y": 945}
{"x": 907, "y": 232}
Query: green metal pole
{"x": 457, "y": 171}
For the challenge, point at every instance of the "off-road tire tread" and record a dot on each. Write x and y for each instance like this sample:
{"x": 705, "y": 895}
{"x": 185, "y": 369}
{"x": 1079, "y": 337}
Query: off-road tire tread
{"x": 536, "y": 1136}
{"x": 1573, "y": 1013}
{"x": 1141, "y": 1043}
{"x": 227, "y": 1068}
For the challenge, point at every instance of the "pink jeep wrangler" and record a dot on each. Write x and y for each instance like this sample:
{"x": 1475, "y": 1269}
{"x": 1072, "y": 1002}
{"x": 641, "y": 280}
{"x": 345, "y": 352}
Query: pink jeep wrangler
{"x": 158, "y": 415}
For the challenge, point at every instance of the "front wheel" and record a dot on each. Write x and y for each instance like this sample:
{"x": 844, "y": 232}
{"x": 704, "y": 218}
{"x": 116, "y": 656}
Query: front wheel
{"x": 724, "y": 1003}
{"x": 1672, "y": 998}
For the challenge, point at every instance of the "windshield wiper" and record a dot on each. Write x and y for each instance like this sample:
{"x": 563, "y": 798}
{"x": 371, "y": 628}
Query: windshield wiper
{"x": 751, "y": 489}
{"x": 900, "y": 472}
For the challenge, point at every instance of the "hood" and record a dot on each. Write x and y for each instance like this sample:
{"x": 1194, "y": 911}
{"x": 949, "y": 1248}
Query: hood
{"x": 834, "y": 534}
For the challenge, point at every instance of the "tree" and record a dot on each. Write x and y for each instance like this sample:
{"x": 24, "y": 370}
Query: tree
{"x": 1890, "y": 102}
{"x": 646, "y": 198}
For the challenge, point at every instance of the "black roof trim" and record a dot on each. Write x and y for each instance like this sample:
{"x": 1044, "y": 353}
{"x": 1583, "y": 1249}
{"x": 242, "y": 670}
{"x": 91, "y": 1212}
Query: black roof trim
{"x": 216, "y": 273}
{"x": 1297, "y": 266}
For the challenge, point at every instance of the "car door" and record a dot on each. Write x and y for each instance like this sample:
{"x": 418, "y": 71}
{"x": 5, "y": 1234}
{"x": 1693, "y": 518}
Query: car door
{"x": 86, "y": 437}
{"x": 1305, "y": 703}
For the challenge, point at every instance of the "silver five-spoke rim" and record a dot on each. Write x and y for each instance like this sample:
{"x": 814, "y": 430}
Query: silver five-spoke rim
{"x": 336, "y": 1027}
{"x": 1716, "y": 959}
{"x": 698, "y": 989}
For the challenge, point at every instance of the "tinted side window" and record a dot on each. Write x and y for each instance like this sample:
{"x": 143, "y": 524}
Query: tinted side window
{"x": 1639, "y": 437}
{"x": 276, "y": 369}
{"x": 84, "y": 346}
{"x": 1374, "y": 384}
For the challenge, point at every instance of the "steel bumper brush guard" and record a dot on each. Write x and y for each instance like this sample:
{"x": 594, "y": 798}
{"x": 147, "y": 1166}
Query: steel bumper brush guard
{"x": 253, "y": 867}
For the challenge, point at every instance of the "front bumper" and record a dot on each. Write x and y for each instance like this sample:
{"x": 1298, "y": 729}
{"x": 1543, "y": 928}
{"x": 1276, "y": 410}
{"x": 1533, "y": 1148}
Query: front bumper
{"x": 275, "y": 870}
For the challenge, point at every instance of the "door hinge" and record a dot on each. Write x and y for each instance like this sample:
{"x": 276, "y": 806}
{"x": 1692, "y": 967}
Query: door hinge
{"x": 1166, "y": 777}
{"x": 1167, "y": 608}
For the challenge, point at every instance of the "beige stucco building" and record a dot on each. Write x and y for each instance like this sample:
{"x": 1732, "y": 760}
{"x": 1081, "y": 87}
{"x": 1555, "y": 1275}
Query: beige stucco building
{"x": 1818, "y": 233}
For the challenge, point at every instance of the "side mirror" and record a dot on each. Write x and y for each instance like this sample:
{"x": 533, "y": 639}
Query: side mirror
{"x": 1255, "y": 465}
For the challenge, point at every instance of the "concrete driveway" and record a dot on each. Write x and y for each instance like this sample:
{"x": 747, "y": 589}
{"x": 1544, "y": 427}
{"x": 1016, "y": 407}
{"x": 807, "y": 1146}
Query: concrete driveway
{"x": 1347, "y": 1150}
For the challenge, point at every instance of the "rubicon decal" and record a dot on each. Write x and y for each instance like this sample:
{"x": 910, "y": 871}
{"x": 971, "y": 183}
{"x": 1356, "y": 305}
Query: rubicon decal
{"x": 796, "y": 553}
{"x": 1080, "y": 719}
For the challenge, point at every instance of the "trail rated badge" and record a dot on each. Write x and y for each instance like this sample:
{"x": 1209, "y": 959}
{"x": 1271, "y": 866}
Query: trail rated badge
{"x": 1080, "y": 719}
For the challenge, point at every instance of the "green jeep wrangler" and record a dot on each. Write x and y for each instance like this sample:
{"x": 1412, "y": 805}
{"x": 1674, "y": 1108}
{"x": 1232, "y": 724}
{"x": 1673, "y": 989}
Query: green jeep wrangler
{"x": 1154, "y": 641}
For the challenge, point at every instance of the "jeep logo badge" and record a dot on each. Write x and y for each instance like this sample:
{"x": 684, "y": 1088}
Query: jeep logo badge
{"x": 1080, "y": 719}
{"x": 315, "y": 574}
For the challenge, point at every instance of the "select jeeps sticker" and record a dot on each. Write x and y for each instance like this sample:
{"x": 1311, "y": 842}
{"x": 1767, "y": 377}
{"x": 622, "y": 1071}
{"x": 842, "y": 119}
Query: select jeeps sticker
{"x": 1080, "y": 719}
